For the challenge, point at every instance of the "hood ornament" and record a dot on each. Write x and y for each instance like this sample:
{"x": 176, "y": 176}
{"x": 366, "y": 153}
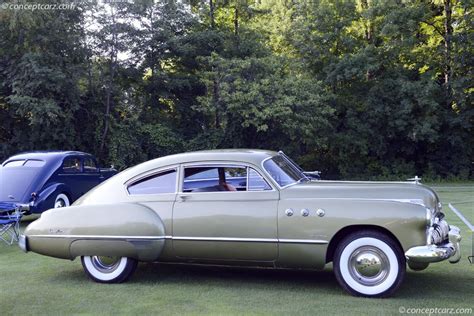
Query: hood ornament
{"x": 416, "y": 180}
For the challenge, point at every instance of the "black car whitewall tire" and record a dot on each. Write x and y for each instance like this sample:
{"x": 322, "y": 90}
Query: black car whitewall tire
{"x": 61, "y": 201}
{"x": 107, "y": 269}
{"x": 370, "y": 264}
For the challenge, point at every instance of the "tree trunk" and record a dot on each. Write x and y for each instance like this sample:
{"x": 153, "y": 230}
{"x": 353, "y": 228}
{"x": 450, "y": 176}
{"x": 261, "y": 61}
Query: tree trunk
{"x": 236, "y": 21}
{"x": 110, "y": 86}
{"x": 215, "y": 100}
{"x": 368, "y": 34}
{"x": 211, "y": 13}
{"x": 448, "y": 34}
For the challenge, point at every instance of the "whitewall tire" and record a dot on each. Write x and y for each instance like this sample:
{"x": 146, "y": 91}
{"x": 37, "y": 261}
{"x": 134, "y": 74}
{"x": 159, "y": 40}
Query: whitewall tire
{"x": 61, "y": 201}
{"x": 108, "y": 269}
{"x": 370, "y": 264}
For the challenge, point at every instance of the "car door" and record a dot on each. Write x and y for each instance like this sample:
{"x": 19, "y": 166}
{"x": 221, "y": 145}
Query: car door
{"x": 71, "y": 175}
{"x": 156, "y": 190}
{"x": 225, "y": 221}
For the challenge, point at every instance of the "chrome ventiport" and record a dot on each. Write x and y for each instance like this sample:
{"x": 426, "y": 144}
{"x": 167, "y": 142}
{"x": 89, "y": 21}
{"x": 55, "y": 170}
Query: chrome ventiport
{"x": 305, "y": 212}
{"x": 320, "y": 212}
{"x": 289, "y": 212}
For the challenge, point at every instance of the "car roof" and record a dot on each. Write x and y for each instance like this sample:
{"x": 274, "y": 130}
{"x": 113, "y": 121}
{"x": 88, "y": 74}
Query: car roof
{"x": 250, "y": 156}
{"x": 45, "y": 155}
{"x": 254, "y": 156}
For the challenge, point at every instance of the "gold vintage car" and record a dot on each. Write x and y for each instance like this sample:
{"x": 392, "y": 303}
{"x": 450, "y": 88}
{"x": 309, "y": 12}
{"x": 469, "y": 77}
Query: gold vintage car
{"x": 249, "y": 208}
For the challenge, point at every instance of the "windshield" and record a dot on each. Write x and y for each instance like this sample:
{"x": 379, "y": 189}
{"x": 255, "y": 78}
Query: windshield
{"x": 283, "y": 171}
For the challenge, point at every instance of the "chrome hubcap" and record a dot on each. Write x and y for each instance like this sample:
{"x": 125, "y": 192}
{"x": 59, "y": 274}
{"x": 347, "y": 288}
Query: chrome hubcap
{"x": 59, "y": 203}
{"x": 368, "y": 265}
{"x": 105, "y": 264}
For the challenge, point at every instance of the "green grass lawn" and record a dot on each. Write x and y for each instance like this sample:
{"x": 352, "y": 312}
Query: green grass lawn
{"x": 34, "y": 284}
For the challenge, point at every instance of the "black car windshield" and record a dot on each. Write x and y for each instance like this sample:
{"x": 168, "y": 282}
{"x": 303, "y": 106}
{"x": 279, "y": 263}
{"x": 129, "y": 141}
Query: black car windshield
{"x": 283, "y": 171}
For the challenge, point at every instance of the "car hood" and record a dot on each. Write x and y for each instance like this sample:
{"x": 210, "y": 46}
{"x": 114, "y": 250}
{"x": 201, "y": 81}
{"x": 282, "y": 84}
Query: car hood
{"x": 15, "y": 183}
{"x": 397, "y": 191}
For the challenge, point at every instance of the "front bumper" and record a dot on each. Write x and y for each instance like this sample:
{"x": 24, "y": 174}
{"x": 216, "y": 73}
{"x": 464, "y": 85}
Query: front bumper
{"x": 434, "y": 253}
{"x": 23, "y": 243}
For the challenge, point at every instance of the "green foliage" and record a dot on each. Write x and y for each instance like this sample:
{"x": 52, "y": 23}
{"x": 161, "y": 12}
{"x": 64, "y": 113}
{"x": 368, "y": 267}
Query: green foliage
{"x": 357, "y": 89}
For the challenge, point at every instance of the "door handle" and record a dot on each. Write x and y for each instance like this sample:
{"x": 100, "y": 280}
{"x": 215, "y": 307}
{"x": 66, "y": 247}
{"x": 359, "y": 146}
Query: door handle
{"x": 182, "y": 198}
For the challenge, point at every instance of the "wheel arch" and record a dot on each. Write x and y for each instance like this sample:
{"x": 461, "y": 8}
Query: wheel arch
{"x": 47, "y": 196}
{"x": 347, "y": 230}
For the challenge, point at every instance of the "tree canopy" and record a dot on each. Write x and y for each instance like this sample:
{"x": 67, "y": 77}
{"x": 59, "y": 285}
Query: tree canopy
{"x": 357, "y": 89}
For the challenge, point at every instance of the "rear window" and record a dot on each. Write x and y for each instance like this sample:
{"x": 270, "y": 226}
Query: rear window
{"x": 163, "y": 182}
{"x": 23, "y": 163}
{"x": 14, "y": 163}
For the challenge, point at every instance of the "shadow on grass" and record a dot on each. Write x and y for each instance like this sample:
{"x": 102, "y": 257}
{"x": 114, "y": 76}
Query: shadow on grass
{"x": 159, "y": 272}
{"x": 416, "y": 284}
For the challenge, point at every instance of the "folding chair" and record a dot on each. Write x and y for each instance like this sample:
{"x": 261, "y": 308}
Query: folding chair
{"x": 10, "y": 216}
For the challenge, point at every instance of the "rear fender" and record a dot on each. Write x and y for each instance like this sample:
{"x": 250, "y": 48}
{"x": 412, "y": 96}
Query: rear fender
{"x": 47, "y": 197}
{"x": 122, "y": 229}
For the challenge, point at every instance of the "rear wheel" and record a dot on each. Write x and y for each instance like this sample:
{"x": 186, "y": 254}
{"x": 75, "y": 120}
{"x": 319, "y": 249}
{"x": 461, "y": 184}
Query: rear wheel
{"x": 61, "y": 201}
{"x": 104, "y": 269}
{"x": 370, "y": 264}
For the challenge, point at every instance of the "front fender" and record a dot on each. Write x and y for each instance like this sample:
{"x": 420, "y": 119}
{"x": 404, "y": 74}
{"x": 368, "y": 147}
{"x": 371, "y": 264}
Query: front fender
{"x": 121, "y": 229}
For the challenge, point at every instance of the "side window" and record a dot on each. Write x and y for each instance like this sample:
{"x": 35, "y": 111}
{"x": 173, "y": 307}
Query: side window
{"x": 72, "y": 165}
{"x": 214, "y": 179}
{"x": 89, "y": 165}
{"x": 163, "y": 182}
{"x": 256, "y": 182}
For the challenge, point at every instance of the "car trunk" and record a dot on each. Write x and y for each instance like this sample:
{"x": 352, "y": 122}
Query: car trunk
{"x": 15, "y": 182}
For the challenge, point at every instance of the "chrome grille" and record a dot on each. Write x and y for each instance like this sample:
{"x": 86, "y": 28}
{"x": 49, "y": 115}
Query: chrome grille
{"x": 439, "y": 231}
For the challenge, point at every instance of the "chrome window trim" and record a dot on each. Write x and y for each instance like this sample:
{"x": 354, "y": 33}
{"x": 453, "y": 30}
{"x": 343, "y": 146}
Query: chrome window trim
{"x": 263, "y": 178}
{"x": 222, "y": 165}
{"x": 100, "y": 237}
{"x": 278, "y": 185}
{"x": 147, "y": 174}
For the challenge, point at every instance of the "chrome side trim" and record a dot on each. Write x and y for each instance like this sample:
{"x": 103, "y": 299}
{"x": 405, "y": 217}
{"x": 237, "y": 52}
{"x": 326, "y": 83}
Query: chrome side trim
{"x": 270, "y": 240}
{"x": 410, "y": 201}
{"x": 189, "y": 238}
{"x": 303, "y": 241}
{"x": 101, "y": 237}
{"x": 225, "y": 239}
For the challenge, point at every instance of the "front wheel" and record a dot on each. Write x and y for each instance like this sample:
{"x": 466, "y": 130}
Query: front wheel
{"x": 370, "y": 264}
{"x": 108, "y": 269}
